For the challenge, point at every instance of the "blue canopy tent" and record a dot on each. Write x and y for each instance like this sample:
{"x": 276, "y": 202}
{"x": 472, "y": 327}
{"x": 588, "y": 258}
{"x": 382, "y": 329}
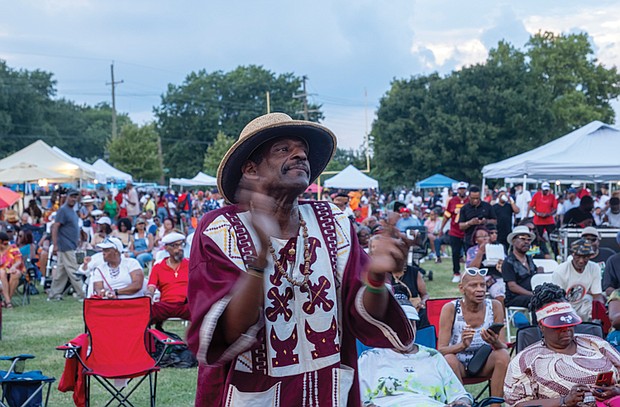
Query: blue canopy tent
{"x": 435, "y": 181}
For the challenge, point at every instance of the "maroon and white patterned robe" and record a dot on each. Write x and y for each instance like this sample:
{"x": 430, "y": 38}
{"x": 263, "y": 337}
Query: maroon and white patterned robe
{"x": 302, "y": 350}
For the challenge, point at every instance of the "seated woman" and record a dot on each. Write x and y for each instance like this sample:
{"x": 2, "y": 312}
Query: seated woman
{"x": 28, "y": 250}
{"x": 123, "y": 231}
{"x": 117, "y": 276}
{"x": 476, "y": 255}
{"x": 11, "y": 268}
{"x": 420, "y": 377}
{"x": 463, "y": 330}
{"x": 141, "y": 243}
{"x": 560, "y": 369}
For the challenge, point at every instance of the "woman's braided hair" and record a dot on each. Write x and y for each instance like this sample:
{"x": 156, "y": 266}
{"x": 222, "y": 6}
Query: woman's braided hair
{"x": 546, "y": 294}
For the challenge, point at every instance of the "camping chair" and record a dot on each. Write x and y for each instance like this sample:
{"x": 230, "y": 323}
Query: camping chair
{"x": 549, "y": 265}
{"x": 531, "y": 334}
{"x": 540, "y": 279}
{"x": 433, "y": 312}
{"x": 27, "y": 282}
{"x": 116, "y": 332}
{"x": 21, "y": 388}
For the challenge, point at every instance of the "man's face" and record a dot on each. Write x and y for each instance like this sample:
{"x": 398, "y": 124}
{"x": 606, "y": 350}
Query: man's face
{"x": 405, "y": 215}
{"x": 615, "y": 208}
{"x": 462, "y": 192}
{"x": 474, "y": 198}
{"x": 341, "y": 202}
{"x": 572, "y": 196}
{"x": 521, "y": 243}
{"x": 545, "y": 191}
{"x": 72, "y": 200}
{"x": 175, "y": 250}
{"x": 285, "y": 164}
{"x": 579, "y": 261}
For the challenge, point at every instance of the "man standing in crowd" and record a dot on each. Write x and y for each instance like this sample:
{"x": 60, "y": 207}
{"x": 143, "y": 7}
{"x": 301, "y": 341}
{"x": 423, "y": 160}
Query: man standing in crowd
{"x": 504, "y": 209}
{"x": 544, "y": 206}
{"x": 571, "y": 201}
{"x": 523, "y": 199}
{"x": 276, "y": 293}
{"x": 455, "y": 234}
{"x": 580, "y": 278}
{"x": 170, "y": 277}
{"x": 473, "y": 213}
{"x": 65, "y": 238}
{"x": 612, "y": 216}
{"x": 133, "y": 203}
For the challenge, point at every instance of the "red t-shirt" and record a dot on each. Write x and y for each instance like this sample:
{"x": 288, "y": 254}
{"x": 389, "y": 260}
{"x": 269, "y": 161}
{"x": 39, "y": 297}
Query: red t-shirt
{"x": 452, "y": 211}
{"x": 544, "y": 203}
{"x": 173, "y": 289}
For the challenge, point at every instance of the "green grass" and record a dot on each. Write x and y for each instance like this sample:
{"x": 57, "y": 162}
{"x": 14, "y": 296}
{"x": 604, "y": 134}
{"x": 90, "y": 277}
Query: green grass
{"x": 41, "y": 326}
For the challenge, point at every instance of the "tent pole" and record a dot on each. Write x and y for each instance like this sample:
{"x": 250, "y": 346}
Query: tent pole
{"x": 482, "y": 193}
{"x": 318, "y": 188}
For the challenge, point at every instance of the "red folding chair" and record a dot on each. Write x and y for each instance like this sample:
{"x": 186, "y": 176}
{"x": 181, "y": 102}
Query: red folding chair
{"x": 433, "y": 312}
{"x": 119, "y": 338}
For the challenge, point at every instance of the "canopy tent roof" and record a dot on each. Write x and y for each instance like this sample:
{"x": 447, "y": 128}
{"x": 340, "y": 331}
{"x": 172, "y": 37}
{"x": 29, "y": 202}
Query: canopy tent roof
{"x": 41, "y": 154}
{"x": 25, "y": 172}
{"x": 351, "y": 178}
{"x": 98, "y": 175}
{"x": 111, "y": 172}
{"x": 588, "y": 153}
{"x": 201, "y": 179}
{"x": 436, "y": 181}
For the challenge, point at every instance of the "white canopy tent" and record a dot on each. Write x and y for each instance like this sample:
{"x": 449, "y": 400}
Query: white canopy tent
{"x": 588, "y": 153}
{"x": 351, "y": 178}
{"x": 111, "y": 172}
{"x": 25, "y": 172}
{"x": 201, "y": 179}
{"x": 42, "y": 155}
{"x": 98, "y": 175}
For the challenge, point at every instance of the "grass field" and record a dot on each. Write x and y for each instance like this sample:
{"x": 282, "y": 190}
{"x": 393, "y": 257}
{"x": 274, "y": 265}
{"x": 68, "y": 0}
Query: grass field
{"x": 41, "y": 326}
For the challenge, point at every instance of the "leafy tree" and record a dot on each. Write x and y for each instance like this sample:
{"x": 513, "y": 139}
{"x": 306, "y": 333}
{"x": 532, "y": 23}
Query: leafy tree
{"x": 216, "y": 151}
{"x": 191, "y": 114}
{"x": 345, "y": 157}
{"x": 484, "y": 113}
{"x": 135, "y": 151}
{"x": 28, "y": 112}
{"x": 581, "y": 88}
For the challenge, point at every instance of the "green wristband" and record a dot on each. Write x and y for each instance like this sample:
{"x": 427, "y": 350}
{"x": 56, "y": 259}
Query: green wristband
{"x": 375, "y": 290}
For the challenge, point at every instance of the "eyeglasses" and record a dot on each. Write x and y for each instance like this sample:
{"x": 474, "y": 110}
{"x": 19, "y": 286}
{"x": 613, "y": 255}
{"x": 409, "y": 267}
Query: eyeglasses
{"x": 590, "y": 238}
{"x": 472, "y": 271}
{"x": 493, "y": 232}
{"x": 482, "y": 237}
{"x": 176, "y": 245}
{"x": 524, "y": 239}
{"x": 4, "y": 242}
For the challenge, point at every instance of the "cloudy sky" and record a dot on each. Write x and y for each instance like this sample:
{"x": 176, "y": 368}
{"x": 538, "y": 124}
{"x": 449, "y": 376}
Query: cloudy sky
{"x": 349, "y": 49}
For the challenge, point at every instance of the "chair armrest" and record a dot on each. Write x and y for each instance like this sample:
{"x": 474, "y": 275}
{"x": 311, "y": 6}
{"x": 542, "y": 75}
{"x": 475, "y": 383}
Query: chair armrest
{"x": 75, "y": 343}
{"x": 163, "y": 338}
{"x": 18, "y": 357}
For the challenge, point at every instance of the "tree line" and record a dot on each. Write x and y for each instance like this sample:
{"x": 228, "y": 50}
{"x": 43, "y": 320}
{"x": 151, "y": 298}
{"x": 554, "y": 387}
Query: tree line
{"x": 514, "y": 101}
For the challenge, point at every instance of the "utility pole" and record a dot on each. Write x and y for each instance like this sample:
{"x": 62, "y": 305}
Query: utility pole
{"x": 304, "y": 96}
{"x": 113, "y": 99}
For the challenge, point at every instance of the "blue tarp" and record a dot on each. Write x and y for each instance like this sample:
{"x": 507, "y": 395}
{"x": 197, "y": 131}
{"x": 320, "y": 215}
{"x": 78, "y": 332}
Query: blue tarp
{"x": 436, "y": 181}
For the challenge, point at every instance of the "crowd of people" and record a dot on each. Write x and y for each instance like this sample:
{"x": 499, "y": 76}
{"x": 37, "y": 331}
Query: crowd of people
{"x": 278, "y": 287}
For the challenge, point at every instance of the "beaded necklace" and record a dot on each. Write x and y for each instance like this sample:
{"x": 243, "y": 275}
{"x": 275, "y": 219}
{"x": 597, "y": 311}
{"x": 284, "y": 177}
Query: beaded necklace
{"x": 306, "y": 270}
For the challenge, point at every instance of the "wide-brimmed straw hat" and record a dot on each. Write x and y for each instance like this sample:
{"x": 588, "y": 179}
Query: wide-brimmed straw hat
{"x": 520, "y": 230}
{"x": 321, "y": 143}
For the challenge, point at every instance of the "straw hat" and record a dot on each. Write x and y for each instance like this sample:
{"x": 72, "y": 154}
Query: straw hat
{"x": 520, "y": 230}
{"x": 321, "y": 142}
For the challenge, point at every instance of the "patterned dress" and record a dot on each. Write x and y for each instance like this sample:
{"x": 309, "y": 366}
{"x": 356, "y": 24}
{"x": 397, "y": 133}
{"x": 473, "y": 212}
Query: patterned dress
{"x": 540, "y": 373}
{"x": 301, "y": 352}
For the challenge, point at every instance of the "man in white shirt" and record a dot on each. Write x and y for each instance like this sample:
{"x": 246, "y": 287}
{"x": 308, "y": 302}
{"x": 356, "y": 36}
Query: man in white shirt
{"x": 421, "y": 377}
{"x": 523, "y": 199}
{"x": 580, "y": 278}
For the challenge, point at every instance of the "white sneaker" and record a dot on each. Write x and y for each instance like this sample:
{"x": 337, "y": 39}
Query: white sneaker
{"x": 456, "y": 279}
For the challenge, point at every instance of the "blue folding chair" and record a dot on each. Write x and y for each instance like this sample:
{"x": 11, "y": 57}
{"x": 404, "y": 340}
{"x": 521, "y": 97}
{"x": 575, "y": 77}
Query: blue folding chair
{"x": 23, "y": 389}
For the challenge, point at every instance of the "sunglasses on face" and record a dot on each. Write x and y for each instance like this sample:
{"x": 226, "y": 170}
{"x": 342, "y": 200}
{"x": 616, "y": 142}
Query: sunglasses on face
{"x": 591, "y": 238}
{"x": 524, "y": 239}
{"x": 176, "y": 245}
{"x": 472, "y": 271}
{"x": 493, "y": 232}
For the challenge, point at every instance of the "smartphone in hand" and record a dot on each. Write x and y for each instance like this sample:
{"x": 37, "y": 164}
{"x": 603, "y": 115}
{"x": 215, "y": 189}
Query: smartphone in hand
{"x": 604, "y": 379}
{"x": 497, "y": 327}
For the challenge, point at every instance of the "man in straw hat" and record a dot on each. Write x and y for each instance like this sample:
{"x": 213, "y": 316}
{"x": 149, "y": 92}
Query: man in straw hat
{"x": 276, "y": 293}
